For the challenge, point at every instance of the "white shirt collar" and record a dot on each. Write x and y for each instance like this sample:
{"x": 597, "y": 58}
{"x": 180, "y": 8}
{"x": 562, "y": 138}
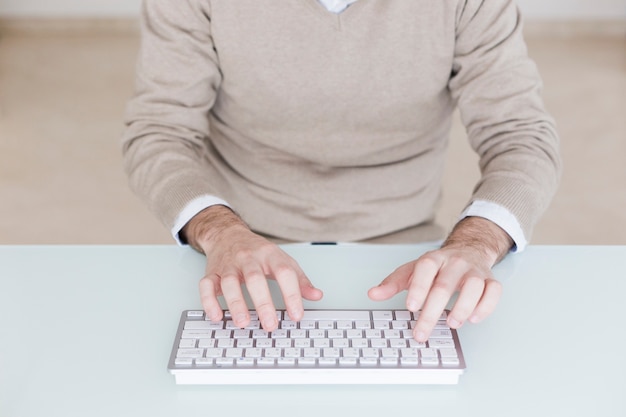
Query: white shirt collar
{"x": 336, "y": 6}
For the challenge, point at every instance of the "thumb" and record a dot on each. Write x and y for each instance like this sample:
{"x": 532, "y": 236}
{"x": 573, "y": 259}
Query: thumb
{"x": 394, "y": 283}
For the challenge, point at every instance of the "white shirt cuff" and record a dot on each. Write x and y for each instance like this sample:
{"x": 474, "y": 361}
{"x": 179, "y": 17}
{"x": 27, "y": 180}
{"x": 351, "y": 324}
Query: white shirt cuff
{"x": 500, "y": 216}
{"x": 192, "y": 208}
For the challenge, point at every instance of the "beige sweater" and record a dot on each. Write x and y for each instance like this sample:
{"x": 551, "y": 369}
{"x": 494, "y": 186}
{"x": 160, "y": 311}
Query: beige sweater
{"x": 317, "y": 126}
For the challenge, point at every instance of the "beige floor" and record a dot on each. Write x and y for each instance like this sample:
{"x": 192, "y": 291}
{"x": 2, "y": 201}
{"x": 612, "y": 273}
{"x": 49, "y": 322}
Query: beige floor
{"x": 62, "y": 99}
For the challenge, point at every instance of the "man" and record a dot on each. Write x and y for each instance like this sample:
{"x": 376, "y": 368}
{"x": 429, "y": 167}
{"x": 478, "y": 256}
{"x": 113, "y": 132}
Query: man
{"x": 258, "y": 121}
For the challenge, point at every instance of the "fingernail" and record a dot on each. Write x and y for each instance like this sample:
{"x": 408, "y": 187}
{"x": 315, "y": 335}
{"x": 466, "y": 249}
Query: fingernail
{"x": 296, "y": 315}
{"x": 455, "y": 324}
{"x": 269, "y": 323}
{"x": 474, "y": 319}
{"x": 420, "y": 336}
{"x": 211, "y": 316}
{"x": 412, "y": 305}
{"x": 240, "y": 319}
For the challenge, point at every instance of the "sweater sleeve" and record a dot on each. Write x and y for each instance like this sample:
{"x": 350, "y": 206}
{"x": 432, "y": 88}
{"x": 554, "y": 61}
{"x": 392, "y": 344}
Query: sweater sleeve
{"x": 497, "y": 88}
{"x": 167, "y": 128}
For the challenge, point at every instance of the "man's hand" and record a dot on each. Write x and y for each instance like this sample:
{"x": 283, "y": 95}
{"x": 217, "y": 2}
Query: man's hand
{"x": 462, "y": 264}
{"x": 237, "y": 256}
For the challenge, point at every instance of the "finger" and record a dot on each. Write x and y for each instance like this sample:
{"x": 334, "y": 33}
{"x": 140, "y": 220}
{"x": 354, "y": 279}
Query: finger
{"x": 394, "y": 283}
{"x": 488, "y": 302}
{"x": 307, "y": 289}
{"x": 289, "y": 284}
{"x": 208, "y": 297}
{"x": 233, "y": 295}
{"x": 443, "y": 287}
{"x": 469, "y": 297}
{"x": 426, "y": 270}
{"x": 258, "y": 289}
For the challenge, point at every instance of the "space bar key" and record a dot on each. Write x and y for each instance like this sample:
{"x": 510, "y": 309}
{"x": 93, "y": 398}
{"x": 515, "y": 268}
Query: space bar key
{"x": 336, "y": 315}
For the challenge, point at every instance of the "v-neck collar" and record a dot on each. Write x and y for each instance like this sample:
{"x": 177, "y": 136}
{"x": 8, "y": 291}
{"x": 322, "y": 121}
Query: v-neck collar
{"x": 335, "y": 19}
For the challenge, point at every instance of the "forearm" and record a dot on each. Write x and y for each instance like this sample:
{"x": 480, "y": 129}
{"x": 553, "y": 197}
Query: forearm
{"x": 482, "y": 235}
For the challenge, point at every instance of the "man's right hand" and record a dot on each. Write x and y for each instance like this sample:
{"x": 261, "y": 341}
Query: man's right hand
{"x": 237, "y": 256}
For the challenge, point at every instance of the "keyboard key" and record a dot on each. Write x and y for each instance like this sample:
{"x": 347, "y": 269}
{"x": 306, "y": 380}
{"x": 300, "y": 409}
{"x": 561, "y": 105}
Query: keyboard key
{"x": 362, "y": 324}
{"x": 409, "y": 361}
{"x": 340, "y": 343}
{"x": 348, "y": 361}
{"x": 308, "y": 324}
{"x": 302, "y": 343}
{"x": 389, "y": 353}
{"x": 403, "y": 315}
{"x": 428, "y": 361}
{"x": 450, "y": 361}
{"x": 224, "y": 362}
{"x": 354, "y": 334}
{"x": 327, "y": 361}
{"x": 334, "y": 315}
{"x": 222, "y": 334}
{"x": 292, "y": 352}
{"x": 378, "y": 343}
{"x": 273, "y": 353}
{"x": 331, "y": 352}
{"x": 263, "y": 343}
{"x": 204, "y": 362}
{"x": 196, "y": 334}
{"x": 214, "y": 353}
{"x": 244, "y": 343}
{"x": 187, "y": 343}
{"x": 344, "y": 324}
{"x": 388, "y": 361}
{"x": 359, "y": 343}
{"x": 233, "y": 352}
{"x": 307, "y": 361}
{"x": 282, "y": 343}
{"x": 448, "y": 353}
{"x": 206, "y": 343}
{"x": 265, "y": 361}
{"x": 286, "y": 361}
{"x": 297, "y": 334}
{"x": 183, "y": 361}
{"x": 440, "y": 343}
{"x": 409, "y": 353}
{"x": 350, "y": 352}
{"x": 241, "y": 334}
{"x": 368, "y": 361}
{"x": 370, "y": 353}
{"x": 326, "y": 324}
{"x": 190, "y": 353}
{"x": 200, "y": 325}
{"x": 245, "y": 361}
{"x": 441, "y": 334}
{"x": 311, "y": 352}
{"x": 253, "y": 352}
{"x": 382, "y": 315}
{"x": 399, "y": 324}
{"x": 317, "y": 334}
{"x": 225, "y": 343}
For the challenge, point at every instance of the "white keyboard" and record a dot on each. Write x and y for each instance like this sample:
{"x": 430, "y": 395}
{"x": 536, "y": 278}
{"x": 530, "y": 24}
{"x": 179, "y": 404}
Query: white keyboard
{"x": 325, "y": 347}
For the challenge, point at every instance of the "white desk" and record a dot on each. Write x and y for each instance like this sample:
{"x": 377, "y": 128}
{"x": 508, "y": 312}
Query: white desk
{"x": 87, "y": 331}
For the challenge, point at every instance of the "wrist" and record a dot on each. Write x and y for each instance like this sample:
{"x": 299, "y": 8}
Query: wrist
{"x": 206, "y": 228}
{"x": 482, "y": 236}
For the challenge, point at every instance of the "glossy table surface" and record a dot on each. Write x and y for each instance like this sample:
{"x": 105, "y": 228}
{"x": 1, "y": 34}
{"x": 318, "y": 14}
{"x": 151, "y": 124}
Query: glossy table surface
{"x": 87, "y": 331}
